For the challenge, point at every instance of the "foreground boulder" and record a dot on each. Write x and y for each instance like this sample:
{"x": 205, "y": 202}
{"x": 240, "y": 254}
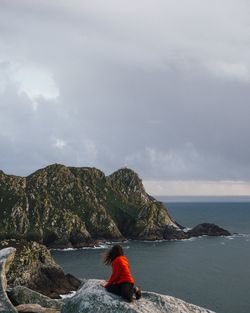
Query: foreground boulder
{"x": 34, "y": 308}
{"x": 20, "y": 295}
{"x": 33, "y": 267}
{"x": 92, "y": 297}
{"x": 208, "y": 230}
{"x": 6, "y": 257}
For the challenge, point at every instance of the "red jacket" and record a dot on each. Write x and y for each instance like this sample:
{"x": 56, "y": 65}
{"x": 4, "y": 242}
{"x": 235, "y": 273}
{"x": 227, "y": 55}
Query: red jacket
{"x": 120, "y": 272}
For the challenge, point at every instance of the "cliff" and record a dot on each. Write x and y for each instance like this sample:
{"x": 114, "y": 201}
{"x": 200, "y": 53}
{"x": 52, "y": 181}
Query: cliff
{"x": 63, "y": 206}
{"x": 33, "y": 267}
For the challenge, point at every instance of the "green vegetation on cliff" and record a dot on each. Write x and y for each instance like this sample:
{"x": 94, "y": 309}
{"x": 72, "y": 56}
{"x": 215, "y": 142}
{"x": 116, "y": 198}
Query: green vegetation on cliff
{"x": 67, "y": 206}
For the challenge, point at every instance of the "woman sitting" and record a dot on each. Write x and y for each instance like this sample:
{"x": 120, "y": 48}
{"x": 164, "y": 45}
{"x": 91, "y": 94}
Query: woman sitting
{"x": 121, "y": 281}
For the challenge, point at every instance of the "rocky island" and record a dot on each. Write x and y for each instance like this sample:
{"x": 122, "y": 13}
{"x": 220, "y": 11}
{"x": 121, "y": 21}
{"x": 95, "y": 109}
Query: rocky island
{"x": 63, "y": 207}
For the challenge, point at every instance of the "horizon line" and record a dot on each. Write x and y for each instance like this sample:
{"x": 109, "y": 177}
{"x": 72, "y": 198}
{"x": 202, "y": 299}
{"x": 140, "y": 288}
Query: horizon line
{"x": 198, "y": 188}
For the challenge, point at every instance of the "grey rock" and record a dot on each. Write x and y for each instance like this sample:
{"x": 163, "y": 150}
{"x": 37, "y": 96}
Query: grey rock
{"x": 6, "y": 257}
{"x": 174, "y": 233}
{"x": 34, "y": 308}
{"x": 34, "y": 267}
{"x": 23, "y": 295}
{"x": 92, "y": 297}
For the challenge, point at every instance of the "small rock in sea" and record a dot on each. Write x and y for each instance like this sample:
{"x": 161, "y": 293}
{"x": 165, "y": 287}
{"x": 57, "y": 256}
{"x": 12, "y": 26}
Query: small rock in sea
{"x": 208, "y": 229}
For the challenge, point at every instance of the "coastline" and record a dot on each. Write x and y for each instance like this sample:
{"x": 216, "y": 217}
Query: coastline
{"x": 107, "y": 244}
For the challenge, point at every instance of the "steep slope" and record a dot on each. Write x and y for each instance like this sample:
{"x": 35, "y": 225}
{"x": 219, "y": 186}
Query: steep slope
{"x": 137, "y": 214}
{"x": 65, "y": 206}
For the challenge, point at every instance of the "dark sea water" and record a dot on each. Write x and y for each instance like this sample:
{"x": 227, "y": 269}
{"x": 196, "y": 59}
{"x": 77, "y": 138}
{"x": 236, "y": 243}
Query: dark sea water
{"x": 210, "y": 272}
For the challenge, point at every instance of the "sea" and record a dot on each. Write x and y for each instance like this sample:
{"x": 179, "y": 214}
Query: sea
{"x": 212, "y": 272}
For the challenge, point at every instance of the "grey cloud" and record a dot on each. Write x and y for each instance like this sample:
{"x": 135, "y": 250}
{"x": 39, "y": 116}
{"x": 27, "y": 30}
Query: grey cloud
{"x": 161, "y": 87}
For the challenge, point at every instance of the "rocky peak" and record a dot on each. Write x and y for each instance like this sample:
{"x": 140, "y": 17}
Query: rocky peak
{"x": 127, "y": 182}
{"x": 126, "y": 177}
{"x": 51, "y": 174}
{"x": 86, "y": 172}
{"x": 56, "y": 167}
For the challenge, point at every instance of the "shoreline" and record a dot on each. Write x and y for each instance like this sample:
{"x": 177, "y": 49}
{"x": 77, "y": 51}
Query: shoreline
{"x": 105, "y": 245}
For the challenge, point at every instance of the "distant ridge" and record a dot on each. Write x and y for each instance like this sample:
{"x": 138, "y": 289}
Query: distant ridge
{"x": 203, "y": 198}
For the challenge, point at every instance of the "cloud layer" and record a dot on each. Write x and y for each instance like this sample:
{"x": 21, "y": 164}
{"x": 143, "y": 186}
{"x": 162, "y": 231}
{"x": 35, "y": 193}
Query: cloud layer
{"x": 161, "y": 87}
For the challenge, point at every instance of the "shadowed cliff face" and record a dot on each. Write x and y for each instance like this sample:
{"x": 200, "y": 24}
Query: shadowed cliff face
{"x": 65, "y": 206}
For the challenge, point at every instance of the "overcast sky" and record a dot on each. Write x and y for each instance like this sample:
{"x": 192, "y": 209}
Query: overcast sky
{"x": 160, "y": 86}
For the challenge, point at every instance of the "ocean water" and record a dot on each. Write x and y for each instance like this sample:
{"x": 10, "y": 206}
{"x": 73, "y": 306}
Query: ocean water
{"x": 210, "y": 272}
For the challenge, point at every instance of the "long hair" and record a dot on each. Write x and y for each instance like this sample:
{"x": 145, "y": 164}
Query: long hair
{"x": 112, "y": 253}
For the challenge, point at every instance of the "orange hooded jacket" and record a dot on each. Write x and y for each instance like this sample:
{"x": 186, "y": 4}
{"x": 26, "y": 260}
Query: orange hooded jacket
{"x": 120, "y": 272}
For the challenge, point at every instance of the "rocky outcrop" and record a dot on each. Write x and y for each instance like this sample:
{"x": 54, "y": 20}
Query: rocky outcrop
{"x": 173, "y": 233}
{"x": 34, "y": 308}
{"x": 34, "y": 268}
{"x": 208, "y": 230}
{"x": 20, "y": 295}
{"x": 6, "y": 257}
{"x": 92, "y": 297}
{"x": 63, "y": 206}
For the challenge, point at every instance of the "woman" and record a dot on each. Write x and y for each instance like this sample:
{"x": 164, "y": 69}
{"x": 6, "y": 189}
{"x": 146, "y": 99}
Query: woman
{"x": 121, "y": 281}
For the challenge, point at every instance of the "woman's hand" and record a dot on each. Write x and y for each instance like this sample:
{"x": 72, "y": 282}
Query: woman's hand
{"x": 103, "y": 284}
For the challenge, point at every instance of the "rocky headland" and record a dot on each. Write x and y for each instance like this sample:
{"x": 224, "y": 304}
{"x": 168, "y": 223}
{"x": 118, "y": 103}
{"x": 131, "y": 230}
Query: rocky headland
{"x": 90, "y": 297}
{"x": 63, "y": 207}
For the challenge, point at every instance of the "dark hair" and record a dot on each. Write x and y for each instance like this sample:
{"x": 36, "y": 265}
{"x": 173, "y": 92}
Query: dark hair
{"x": 112, "y": 253}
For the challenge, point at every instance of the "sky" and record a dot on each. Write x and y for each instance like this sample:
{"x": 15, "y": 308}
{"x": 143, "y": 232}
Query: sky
{"x": 162, "y": 87}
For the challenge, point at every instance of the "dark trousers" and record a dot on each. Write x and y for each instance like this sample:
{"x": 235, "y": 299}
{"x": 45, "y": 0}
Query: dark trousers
{"x": 126, "y": 290}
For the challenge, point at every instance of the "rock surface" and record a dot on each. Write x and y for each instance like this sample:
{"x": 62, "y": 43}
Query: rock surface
{"x": 33, "y": 267}
{"x": 66, "y": 206}
{"x": 34, "y": 308}
{"x": 23, "y": 295}
{"x": 94, "y": 298}
{"x": 6, "y": 256}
